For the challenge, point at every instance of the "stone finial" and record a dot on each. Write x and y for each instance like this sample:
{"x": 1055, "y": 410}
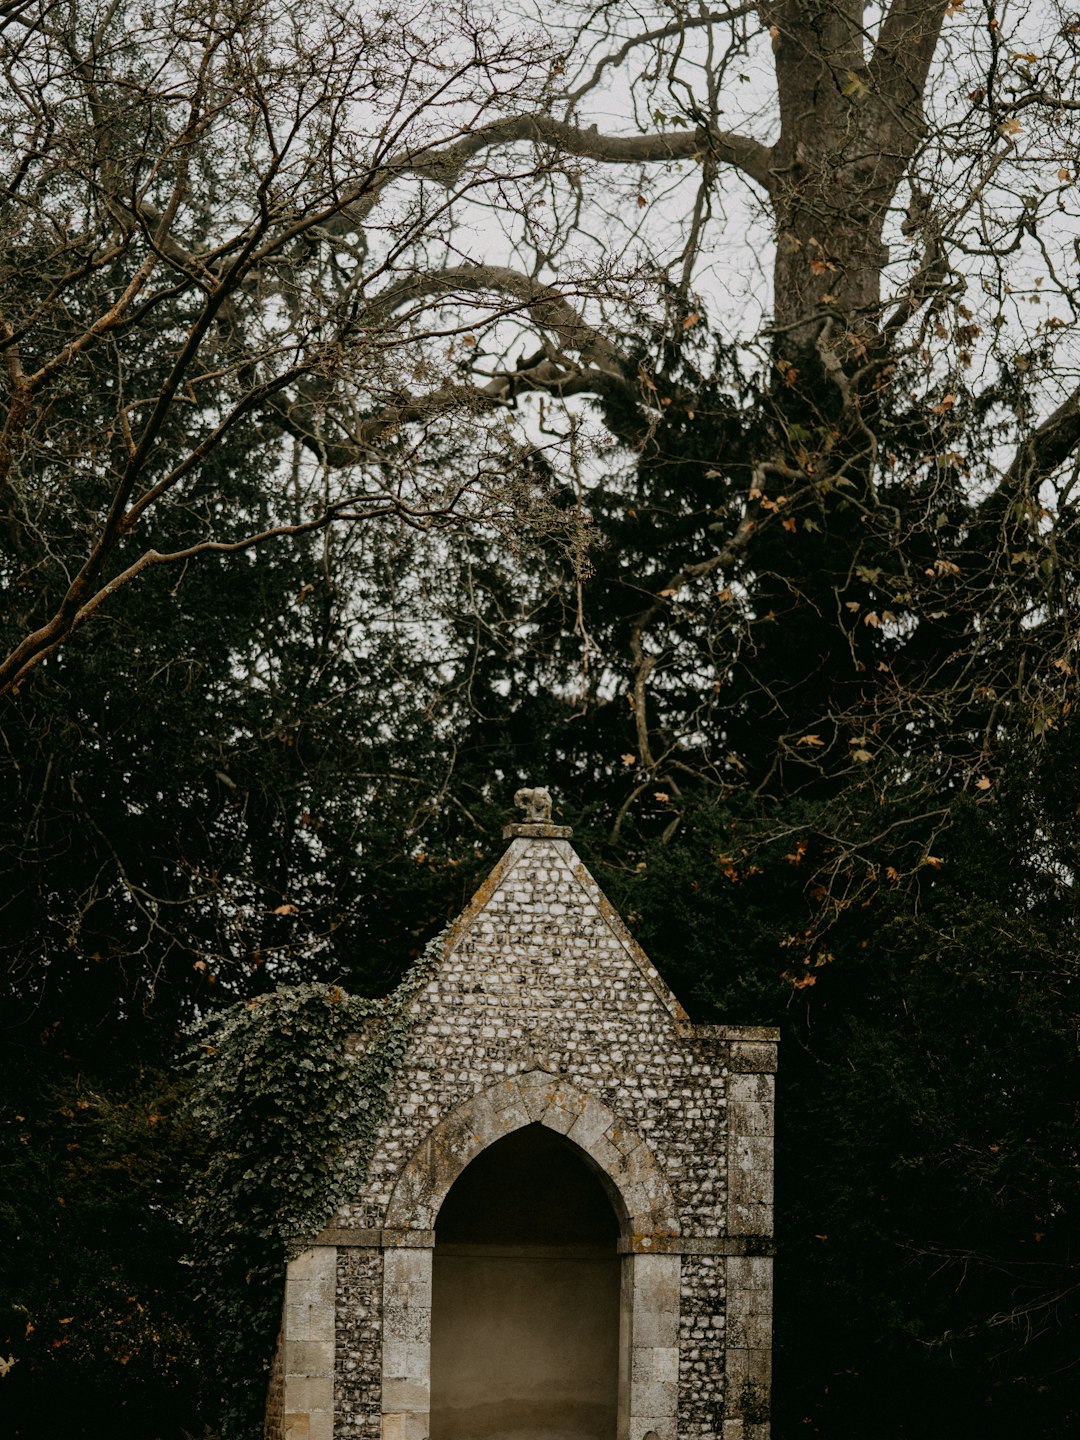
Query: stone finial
{"x": 536, "y": 804}
{"x": 536, "y": 824}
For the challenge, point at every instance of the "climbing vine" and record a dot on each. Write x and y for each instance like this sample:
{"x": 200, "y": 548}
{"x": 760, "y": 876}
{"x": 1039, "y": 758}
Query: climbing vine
{"x": 291, "y": 1113}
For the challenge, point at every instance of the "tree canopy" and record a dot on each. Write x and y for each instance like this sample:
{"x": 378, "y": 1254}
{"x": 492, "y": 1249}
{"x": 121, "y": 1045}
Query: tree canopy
{"x": 677, "y": 406}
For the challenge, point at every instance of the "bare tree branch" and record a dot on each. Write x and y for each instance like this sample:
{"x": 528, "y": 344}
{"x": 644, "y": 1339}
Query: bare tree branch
{"x": 741, "y": 151}
{"x": 650, "y": 37}
{"x": 902, "y": 55}
{"x": 546, "y": 306}
{"x": 1038, "y": 455}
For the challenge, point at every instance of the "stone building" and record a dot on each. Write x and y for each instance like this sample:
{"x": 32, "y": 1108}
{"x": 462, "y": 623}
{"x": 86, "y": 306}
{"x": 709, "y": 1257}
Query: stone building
{"x": 565, "y": 1229}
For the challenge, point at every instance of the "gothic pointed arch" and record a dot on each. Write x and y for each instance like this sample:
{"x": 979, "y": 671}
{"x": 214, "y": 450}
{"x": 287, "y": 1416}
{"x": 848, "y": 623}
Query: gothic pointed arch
{"x": 625, "y": 1163}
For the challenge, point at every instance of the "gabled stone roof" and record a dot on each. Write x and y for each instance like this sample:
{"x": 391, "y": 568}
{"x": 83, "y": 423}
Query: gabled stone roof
{"x": 551, "y": 884}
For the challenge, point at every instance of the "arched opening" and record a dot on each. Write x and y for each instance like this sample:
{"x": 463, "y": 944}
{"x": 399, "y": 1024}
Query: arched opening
{"x": 525, "y": 1297}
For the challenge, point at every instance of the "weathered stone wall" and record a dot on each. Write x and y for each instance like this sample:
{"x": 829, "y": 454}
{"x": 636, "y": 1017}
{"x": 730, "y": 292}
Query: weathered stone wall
{"x": 358, "y": 1360}
{"x": 309, "y": 1345}
{"x": 701, "y": 1342}
{"x": 545, "y": 1010}
{"x": 543, "y": 975}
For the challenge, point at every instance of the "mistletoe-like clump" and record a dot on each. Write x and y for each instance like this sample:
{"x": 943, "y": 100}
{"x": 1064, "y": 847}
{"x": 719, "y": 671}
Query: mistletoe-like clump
{"x": 291, "y": 1116}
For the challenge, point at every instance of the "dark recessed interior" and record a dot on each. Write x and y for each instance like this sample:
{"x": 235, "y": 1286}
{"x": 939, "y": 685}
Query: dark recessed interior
{"x": 532, "y": 1187}
{"x": 525, "y": 1297}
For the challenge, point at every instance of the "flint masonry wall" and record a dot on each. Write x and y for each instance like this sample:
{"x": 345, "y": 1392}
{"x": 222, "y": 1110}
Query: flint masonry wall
{"x": 545, "y": 1010}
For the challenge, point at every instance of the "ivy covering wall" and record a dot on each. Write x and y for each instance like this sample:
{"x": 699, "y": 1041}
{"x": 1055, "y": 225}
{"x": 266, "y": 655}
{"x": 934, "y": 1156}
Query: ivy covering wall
{"x": 290, "y": 1114}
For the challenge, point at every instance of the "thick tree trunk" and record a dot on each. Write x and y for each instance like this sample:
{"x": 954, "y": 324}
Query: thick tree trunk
{"x": 851, "y": 123}
{"x": 850, "y": 126}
